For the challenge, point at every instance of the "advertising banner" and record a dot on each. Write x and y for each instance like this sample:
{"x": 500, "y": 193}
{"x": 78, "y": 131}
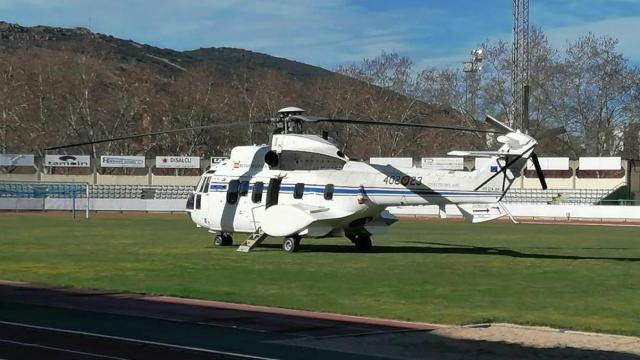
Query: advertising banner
{"x": 178, "y": 162}
{"x": 551, "y": 163}
{"x": 67, "y": 160}
{"x": 448, "y": 163}
{"x": 600, "y": 163}
{"x": 121, "y": 161}
{"x": 16, "y": 160}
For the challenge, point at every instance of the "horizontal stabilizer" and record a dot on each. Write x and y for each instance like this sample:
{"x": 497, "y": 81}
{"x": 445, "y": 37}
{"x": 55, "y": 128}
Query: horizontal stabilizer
{"x": 477, "y": 213}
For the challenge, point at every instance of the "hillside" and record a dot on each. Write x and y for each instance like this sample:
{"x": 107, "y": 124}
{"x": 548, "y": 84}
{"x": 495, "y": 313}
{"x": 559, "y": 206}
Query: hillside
{"x": 69, "y": 85}
{"x": 168, "y": 61}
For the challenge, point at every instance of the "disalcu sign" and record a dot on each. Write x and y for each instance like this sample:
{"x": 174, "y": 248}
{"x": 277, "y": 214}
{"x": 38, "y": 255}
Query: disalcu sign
{"x": 67, "y": 160}
{"x": 122, "y": 161}
{"x": 178, "y": 162}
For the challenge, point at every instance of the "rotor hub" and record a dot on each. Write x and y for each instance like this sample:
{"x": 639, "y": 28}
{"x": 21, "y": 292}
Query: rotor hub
{"x": 288, "y": 111}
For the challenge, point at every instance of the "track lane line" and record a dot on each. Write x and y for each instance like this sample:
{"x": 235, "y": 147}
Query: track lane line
{"x": 146, "y": 342}
{"x": 60, "y": 349}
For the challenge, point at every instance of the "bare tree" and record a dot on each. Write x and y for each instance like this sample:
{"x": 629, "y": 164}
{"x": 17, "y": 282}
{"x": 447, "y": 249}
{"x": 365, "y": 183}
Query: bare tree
{"x": 598, "y": 86}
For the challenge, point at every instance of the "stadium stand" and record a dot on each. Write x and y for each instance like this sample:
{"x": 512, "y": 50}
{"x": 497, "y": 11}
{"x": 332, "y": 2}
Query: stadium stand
{"x": 58, "y": 190}
{"x": 147, "y": 192}
{"x": 42, "y": 190}
{"x": 557, "y": 196}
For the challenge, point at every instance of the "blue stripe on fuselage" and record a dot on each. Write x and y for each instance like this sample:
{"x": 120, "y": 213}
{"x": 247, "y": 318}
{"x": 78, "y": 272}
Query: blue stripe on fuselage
{"x": 346, "y": 191}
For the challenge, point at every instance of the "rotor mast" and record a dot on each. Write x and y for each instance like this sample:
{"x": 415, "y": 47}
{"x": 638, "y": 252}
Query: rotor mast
{"x": 520, "y": 59}
{"x": 287, "y": 122}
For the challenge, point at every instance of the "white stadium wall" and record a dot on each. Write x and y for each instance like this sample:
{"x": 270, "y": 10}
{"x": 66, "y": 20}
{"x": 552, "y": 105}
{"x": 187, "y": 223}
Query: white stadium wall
{"x": 21, "y": 204}
{"x": 600, "y": 163}
{"x": 122, "y": 179}
{"x": 68, "y": 178}
{"x": 537, "y": 212}
{"x": 19, "y": 177}
{"x": 519, "y": 211}
{"x": 175, "y": 180}
{"x": 160, "y": 205}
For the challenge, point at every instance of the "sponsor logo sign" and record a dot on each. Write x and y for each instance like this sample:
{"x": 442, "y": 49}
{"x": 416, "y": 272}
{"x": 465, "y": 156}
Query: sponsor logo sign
{"x": 215, "y": 160}
{"x": 122, "y": 161}
{"x": 443, "y": 163}
{"x": 16, "y": 160}
{"x": 67, "y": 160}
{"x": 178, "y": 162}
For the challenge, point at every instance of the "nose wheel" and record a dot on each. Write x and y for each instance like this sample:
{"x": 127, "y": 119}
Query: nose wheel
{"x": 223, "y": 240}
{"x": 291, "y": 244}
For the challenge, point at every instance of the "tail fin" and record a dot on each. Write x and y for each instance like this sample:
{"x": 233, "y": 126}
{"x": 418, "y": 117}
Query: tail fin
{"x": 505, "y": 164}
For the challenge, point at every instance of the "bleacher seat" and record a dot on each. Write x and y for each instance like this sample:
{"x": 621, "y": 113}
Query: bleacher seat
{"x": 557, "y": 196}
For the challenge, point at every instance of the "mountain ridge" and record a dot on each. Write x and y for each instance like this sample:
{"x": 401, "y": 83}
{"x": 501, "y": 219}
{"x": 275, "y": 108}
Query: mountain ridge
{"x": 168, "y": 61}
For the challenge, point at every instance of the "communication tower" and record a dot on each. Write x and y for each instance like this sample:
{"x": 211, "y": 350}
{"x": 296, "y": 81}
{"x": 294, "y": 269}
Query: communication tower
{"x": 520, "y": 58}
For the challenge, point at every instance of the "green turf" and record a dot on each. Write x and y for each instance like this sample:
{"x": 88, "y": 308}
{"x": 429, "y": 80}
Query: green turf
{"x": 578, "y": 277}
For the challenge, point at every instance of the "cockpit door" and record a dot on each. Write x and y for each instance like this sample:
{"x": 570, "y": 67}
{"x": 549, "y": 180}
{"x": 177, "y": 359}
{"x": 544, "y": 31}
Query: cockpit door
{"x": 197, "y": 202}
{"x": 273, "y": 192}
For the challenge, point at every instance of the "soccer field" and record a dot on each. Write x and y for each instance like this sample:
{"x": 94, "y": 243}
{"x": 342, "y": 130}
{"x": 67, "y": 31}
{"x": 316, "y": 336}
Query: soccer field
{"x": 577, "y": 277}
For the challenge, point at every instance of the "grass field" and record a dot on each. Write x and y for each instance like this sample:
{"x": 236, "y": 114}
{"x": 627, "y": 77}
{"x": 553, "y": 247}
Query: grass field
{"x": 577, "y": 277}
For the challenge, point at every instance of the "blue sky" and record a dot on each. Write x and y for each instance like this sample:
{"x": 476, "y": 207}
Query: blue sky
{"x": 329, "y": 33}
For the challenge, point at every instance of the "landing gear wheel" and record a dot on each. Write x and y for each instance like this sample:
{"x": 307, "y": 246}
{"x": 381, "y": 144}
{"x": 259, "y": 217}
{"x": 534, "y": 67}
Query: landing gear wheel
{"x": 291, "y": 244}
{"x": 227, "y": 240}
{"x": 223, "y": 240}
{"x": 362, "y": 242}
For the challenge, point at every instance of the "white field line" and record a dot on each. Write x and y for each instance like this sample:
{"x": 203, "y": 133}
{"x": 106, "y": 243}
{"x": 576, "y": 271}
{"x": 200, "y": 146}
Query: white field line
{"x": 60, "y": 349}
{"x": 146, "y": 342}
{"x": 577, "y": 223}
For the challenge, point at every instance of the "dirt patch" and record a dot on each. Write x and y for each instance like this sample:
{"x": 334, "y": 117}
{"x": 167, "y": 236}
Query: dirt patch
{"x": 543, "y": 337}
{"x": 487, "y": 342}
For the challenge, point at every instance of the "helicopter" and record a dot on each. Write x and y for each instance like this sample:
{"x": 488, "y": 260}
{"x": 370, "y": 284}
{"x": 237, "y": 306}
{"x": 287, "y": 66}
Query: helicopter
{"x": 302, "y": 186}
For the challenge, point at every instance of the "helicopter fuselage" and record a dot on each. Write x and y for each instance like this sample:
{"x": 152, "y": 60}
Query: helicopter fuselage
{"x": 263, "y": 188}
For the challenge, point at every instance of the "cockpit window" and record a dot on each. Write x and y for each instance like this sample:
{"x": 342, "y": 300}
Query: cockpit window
{"x": 207, "y": 180}
{"x": 200, "y": 184}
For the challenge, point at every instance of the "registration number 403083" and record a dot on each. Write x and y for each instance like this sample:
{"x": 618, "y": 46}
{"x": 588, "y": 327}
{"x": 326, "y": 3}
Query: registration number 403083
{"x": 403, "y": 180}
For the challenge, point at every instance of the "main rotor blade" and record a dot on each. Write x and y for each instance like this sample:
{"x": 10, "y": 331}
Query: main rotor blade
{"x": 498, "y": 124}
{"x": 135, "y": 136}
{"x": 551, "y": 133}
{"x": 389, "y": 123}
{"x": 536, "y": 165}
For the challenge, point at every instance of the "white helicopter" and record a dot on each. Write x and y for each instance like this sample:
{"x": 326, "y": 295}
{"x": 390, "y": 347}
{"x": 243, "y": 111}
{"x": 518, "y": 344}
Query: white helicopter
{"x": 302, "y": 186}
